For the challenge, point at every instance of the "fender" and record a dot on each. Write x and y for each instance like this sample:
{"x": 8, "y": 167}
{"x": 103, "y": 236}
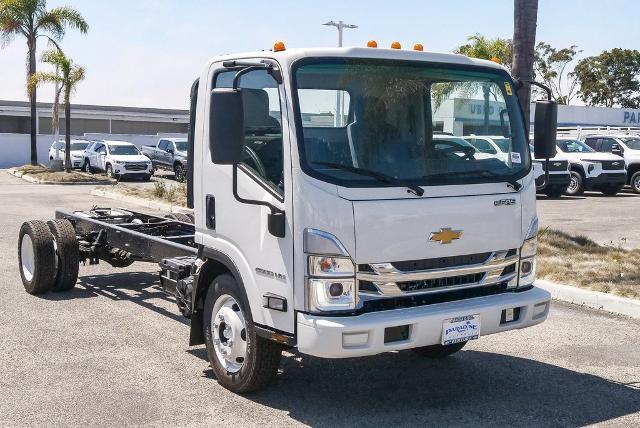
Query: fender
{"x": 210, "y": 263}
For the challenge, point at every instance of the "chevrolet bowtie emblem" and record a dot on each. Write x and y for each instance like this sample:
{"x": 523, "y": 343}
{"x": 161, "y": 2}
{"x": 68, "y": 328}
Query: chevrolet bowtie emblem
{"x": 445, "y": 235}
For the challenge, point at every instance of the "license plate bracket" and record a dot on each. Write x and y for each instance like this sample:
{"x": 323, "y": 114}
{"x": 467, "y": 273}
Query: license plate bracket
{"x": 460, "y": 329}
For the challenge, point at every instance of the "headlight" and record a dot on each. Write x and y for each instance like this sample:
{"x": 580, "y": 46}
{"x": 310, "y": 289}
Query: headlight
{"x": 528, "y": 250}
{"x": 117, "y": 162}
{"x": 330, "y": 282}
{"x": 329, "y": 266}
{"x": 331, "y": 295}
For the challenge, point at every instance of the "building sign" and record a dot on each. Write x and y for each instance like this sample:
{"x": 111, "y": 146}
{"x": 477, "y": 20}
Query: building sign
{"x": 631, "y": 117}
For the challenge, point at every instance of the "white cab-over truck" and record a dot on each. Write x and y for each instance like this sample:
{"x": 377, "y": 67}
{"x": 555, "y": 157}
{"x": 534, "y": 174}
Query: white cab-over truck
{"x": 341, "y": 236}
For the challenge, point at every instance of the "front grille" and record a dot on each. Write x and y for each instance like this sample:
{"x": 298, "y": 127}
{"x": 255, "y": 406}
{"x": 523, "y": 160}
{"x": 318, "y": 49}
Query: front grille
{"x": 426, "y": 284}
{"x": 556, "y": 165}
{"x": 135, "y": 166}
{"x": 613, "y": 165}
{"x": 436, "y": 263}
{"x": 401, "y": 302}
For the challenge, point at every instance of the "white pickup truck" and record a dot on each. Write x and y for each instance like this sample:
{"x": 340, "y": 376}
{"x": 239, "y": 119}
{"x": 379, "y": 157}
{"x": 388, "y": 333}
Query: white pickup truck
{"x": 624, "y": 145}
{"x": 340, "y": 237}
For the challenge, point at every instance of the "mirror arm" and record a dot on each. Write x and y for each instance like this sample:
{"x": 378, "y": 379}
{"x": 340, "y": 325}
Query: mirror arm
{"x": 539, "y": 85}
{"x": 274, "y": 209}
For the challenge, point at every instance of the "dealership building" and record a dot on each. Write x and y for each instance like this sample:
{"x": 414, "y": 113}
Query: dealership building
{"x": 459, "y": 116}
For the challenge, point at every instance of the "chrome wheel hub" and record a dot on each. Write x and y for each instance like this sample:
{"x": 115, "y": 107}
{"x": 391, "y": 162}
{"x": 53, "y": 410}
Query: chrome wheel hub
{"x": 228, "y": 327}
{"x": 636, "y": 183}
{"x": 27, "y": 257}
{"x": 573, "y": 184}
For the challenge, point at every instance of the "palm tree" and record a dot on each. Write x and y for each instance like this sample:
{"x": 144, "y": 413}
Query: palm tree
{"x": 67, "y": 76}
{"x": 31, "y": 19}
{"x": 525, "y": 16}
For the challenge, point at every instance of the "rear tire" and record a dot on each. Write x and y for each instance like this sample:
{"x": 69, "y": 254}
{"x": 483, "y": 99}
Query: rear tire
{"x": 635, "y": 182}
{"x": 178, "y": 171}
{"x": 242, "y": 361}
{"x": 36, "y": 257}
{"x": 439, "y": 351}
{"x": 68, "y": 254}
{"x": 576, "y": 186}
{"x": 180, "y": 217}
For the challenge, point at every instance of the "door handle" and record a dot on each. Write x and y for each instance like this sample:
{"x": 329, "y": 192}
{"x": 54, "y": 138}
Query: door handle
{"x": 211, "y": 211}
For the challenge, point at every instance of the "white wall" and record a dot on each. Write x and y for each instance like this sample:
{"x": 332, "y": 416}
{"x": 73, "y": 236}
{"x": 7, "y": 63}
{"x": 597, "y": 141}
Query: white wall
{"x": 15, "y": 149}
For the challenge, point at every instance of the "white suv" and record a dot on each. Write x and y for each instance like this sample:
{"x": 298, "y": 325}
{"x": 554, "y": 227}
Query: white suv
{"x": 117, "y": 159}
{"x": 57, "y": 149}
{"x": 591, "y": 170}
{"x": 627, "y": 146}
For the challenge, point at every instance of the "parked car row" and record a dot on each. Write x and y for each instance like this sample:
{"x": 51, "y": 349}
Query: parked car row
{"x": 121, "y": 159}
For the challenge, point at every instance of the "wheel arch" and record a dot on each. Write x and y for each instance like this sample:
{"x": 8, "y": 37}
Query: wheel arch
{"x": 578, "y": 168}
{"x": 215, "y": 263}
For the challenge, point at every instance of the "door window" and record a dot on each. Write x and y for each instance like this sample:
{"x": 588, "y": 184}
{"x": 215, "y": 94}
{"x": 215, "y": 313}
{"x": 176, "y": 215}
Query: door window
{"x": 163, "y": 145}
{"x": 262, "y": 124}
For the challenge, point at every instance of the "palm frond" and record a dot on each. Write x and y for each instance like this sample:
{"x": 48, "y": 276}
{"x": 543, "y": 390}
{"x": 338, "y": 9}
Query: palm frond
{"x": 41, "y": 77}
{"x": 57, "y": 20}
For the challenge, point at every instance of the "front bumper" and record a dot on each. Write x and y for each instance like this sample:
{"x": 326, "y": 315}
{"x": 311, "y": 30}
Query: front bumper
{"x": 607, "y": 178}
{"x": 325, "y": 336}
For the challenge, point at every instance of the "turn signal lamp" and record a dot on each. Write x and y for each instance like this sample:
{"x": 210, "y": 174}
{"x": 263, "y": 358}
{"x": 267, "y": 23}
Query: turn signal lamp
{"x": 279, "y": 46}
{"x": 418, "y": 47}
{"x": 372, "y": 44}
{"x": 496, "y": 60}
{"x": 395, "y": 45}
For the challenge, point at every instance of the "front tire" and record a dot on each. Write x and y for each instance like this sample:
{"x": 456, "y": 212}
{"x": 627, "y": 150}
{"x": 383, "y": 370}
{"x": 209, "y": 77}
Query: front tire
{"x": 635, "y": 182}
{"x": 611, "y": 190}
{"x": 439, "y": 351}
{"x": 576, "y": 185}
{"x": 87, "y": 167}
{"x": 36, "y": 257}
{"x": 109, "y": 171}
{"x": 554, "y": 191}
{"x": 242, "y": 361}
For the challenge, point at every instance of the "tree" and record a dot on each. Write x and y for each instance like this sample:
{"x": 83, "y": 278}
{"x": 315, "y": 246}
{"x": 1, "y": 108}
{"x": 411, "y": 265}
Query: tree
{"x": 67, "y": 76}
{"x": 525, "y": 16}
{"x": 497, "y": 49}
{"x": 610, "y": 79}
{"x": 551, "y": 67}
{"x": 31, "y": 19}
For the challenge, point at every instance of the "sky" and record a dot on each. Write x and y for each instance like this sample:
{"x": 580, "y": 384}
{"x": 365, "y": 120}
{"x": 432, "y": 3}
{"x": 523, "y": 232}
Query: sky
{"x": 146, "y": 53}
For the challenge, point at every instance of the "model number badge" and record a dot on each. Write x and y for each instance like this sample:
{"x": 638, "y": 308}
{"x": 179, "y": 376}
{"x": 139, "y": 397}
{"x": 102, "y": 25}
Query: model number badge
{"x": 504, "y": 202}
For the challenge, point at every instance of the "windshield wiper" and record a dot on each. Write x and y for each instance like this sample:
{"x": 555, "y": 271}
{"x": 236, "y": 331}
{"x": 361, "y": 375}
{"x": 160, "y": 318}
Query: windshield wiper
{"x": 384, "y": 178}
{"x": 513, "y": 183}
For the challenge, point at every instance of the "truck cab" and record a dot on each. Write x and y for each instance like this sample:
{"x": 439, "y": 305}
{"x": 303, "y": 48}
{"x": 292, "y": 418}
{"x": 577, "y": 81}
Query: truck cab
{"x": 330, "y": 217}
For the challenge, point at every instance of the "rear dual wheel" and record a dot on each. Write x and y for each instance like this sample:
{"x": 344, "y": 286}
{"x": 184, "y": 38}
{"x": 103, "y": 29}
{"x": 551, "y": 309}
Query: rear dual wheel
{"x": 48, "y": 256}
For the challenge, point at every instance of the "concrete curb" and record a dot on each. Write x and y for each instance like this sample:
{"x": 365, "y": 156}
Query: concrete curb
{"x": 147, "y": 203}
{"x": 33, "y": 180}
{"x": 592, "y": 299}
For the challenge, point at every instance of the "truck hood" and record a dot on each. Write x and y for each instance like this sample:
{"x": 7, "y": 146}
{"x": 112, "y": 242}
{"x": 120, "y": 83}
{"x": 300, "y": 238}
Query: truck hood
{"x": 130, "y": 158}
{"x": 400, "y": 230}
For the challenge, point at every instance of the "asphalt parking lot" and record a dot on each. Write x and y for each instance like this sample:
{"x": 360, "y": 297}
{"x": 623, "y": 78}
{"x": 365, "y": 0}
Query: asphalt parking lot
{"x": 114, "y": 352}
{"x": 608, "y": 220}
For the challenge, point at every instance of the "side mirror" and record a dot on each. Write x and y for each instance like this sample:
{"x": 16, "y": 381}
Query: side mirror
{"x": 226, "y": 130}
{"x": 170, "y": 150}
{"x": 617, "y": 150}
{"x": 544, "y": 131}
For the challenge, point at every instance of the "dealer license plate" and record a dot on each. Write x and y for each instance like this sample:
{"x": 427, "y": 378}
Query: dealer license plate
{"x": 460, "y": 329}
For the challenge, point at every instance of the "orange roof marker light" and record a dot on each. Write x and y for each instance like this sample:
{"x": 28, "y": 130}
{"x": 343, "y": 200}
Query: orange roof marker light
{"x": 372, "y": 44}
{"x": 418, "y": 47}
{"x": 496, "y": 60}
{"x": 279, "y": 46}
{"x": 396, "y": 45}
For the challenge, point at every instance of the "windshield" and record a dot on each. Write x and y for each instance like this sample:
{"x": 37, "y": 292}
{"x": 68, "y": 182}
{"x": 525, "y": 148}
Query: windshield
{"x": 123, "y": 149}
{"x": 181, "y": 146}
{"x": 574, "y": 146}
{"x": 632, "y": 142}
{"x": 407, "y": 121}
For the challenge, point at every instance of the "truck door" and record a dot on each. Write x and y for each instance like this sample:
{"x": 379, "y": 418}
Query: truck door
{"x": 240, "y": 230}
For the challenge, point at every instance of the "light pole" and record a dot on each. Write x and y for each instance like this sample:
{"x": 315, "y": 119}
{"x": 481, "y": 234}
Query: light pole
{"x": 340, "y": 25}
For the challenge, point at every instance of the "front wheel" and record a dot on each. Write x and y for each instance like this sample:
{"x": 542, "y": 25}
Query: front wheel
{"x": 554, "y": 191}
{"x": 242, "y": 361}
{"x": 109, "y": 171}
{"x": 439, "y": 351}
{"x": 635, "y": 182}
{"x": 87, "y": 167}
{"x": 576, "y": 185}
